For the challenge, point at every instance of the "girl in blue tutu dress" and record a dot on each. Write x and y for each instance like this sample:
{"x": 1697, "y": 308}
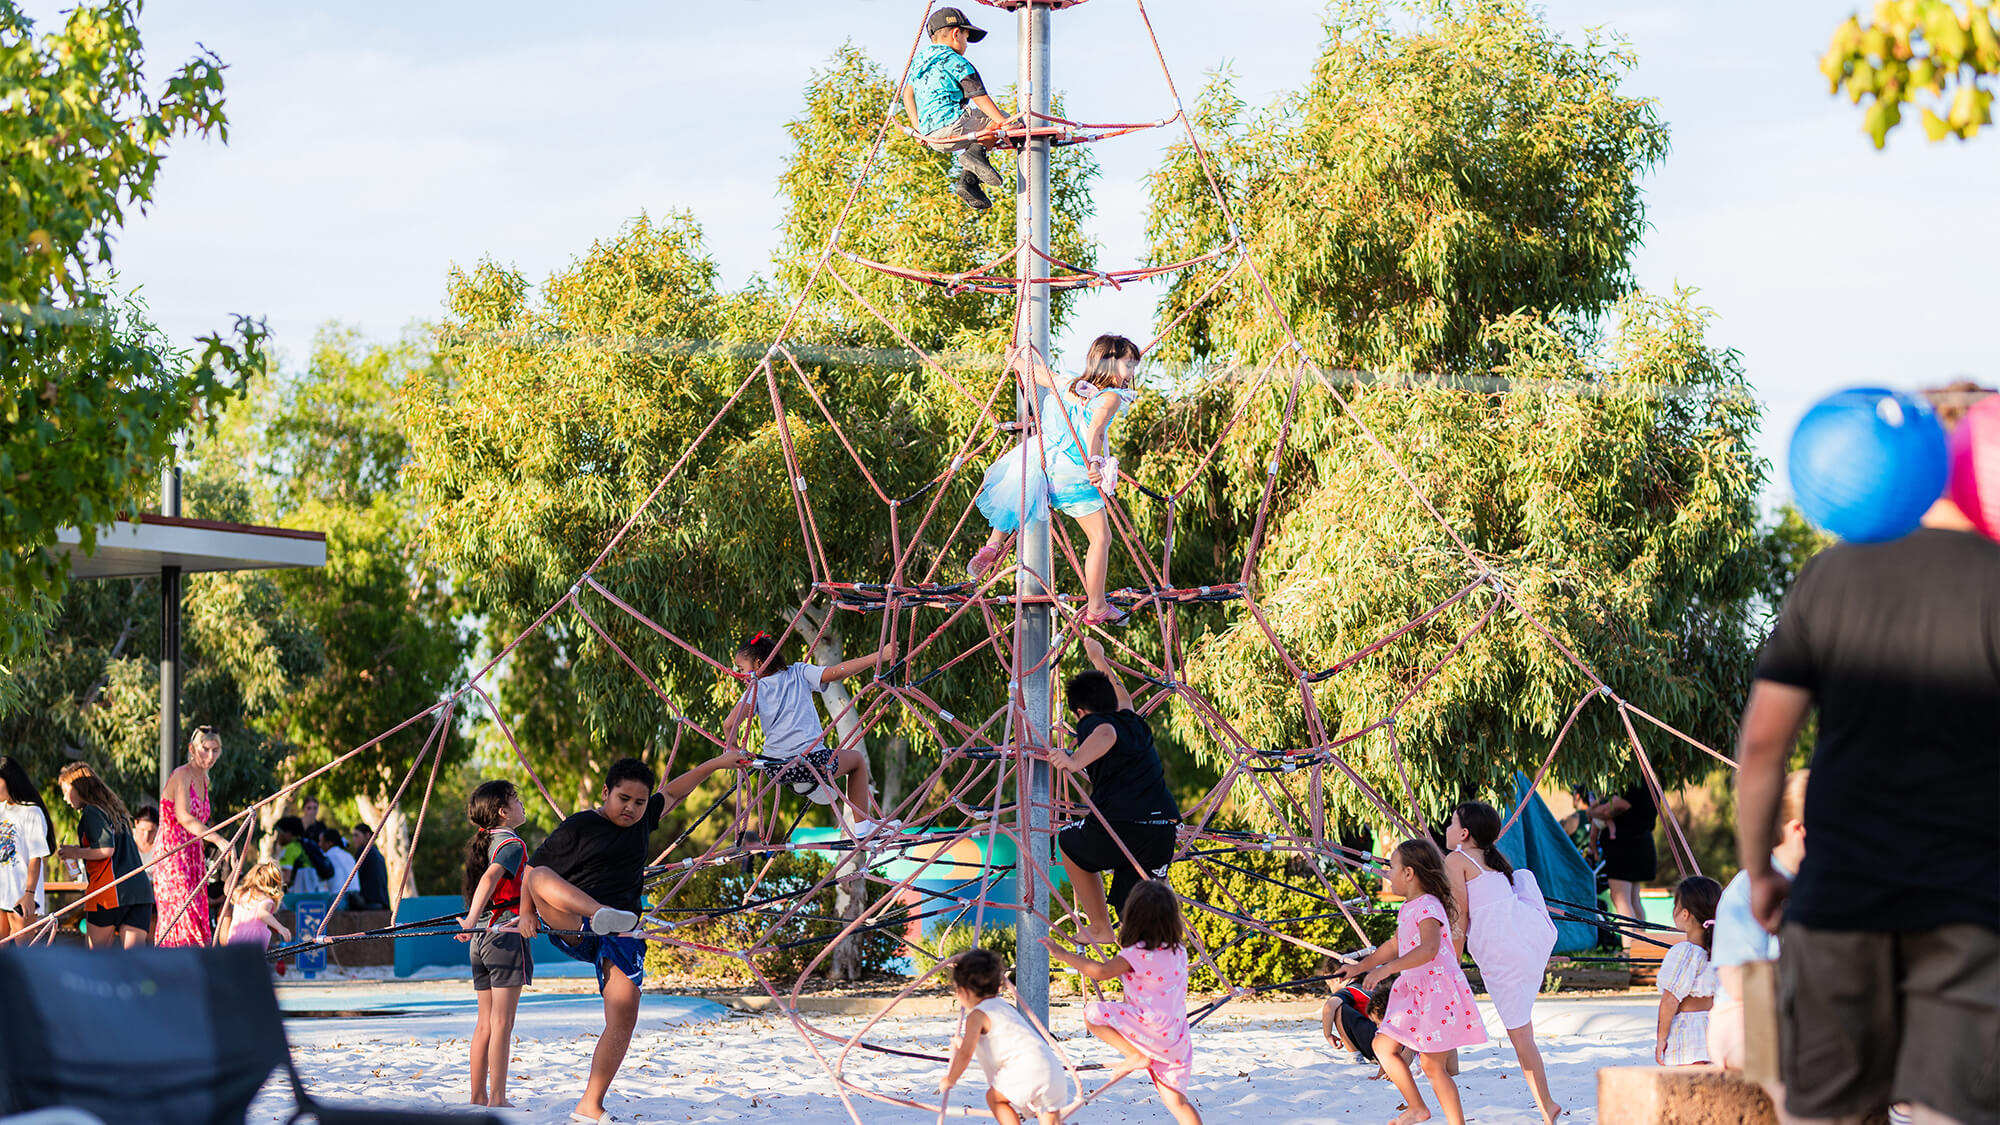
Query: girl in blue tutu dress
{"x": 1069, "y": 468}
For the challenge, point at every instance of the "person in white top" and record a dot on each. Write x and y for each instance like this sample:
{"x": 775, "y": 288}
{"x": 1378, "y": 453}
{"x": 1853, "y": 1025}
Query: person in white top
{"x": 1021, "y": 1068}
{"x": 26, "y": 841}
{"x": 332, "y": 846}
{"x": 782, "y": 699}
{"x": 1509, "y": 931}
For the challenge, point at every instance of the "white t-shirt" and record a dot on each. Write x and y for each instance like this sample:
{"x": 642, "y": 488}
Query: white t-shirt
{"x": 24, "y": 835}
{"x": 785, "y": 707}
{"x": 342, "y": 864}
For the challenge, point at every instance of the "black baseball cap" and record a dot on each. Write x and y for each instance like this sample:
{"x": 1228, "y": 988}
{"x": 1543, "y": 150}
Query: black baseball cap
{"x": 952, "y": 17}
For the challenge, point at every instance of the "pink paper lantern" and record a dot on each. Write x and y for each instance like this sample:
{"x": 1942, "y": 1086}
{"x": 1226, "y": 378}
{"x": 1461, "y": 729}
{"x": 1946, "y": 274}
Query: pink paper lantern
{"x": 1975, "y": 466}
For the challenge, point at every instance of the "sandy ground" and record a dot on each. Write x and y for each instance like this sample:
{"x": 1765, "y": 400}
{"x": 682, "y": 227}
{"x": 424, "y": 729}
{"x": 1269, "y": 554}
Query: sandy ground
{"x": 694, "y": 1060}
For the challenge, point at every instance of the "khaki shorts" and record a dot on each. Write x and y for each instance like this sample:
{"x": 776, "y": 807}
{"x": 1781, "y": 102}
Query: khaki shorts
{"x": 1869, "y": 1019}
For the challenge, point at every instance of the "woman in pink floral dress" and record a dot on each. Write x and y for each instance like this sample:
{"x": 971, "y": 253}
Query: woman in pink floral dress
{"x": 1431, "y": 1010}
{"x": 180, "y": 883}
{"x": 1150, "y": 1025}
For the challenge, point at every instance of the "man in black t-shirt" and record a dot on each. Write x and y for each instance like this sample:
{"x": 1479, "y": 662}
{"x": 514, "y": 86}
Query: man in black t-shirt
{"x": 371, "y": 873}
{"x": 590, "y": 874}
{"x": 1136, "y": 812}
{"x": 1889, "y": 967}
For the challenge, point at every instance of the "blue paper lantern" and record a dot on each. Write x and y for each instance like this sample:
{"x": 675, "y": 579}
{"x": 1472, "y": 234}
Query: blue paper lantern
{"x": 1867, "y": 463}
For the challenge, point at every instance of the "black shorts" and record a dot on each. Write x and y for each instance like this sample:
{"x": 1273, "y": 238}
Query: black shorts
{"x": 138, "y": 916}
{"x": 501, "y": 960}
{"x": 1870, "y": 1019}
{"x": 1094, "y": 848}
{"x": 807, "y": 771}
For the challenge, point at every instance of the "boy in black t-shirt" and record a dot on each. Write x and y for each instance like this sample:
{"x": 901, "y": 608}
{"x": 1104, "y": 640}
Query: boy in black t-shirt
{"x": 1128, "y": 787}
{"x": 589, "y": 874}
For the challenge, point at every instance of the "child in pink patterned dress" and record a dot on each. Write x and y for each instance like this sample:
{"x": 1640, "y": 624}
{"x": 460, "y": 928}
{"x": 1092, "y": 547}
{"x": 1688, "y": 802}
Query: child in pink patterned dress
{"x": 1431, "y": 1010}
{"x": 1150, "y": 1026}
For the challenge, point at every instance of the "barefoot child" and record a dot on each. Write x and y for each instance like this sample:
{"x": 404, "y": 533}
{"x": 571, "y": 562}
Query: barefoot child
{"x": 1687, "y": 982}
{"x": 1071, "y": 469}
{"x": 590, "y": 874}
{"x": 1431, "y": 1010}
{"x": 1150, "y": 1025}
{"x": 502, "y": 963}
{"x": 1508, "y": 928}
{"x": 1021, "y": 1068}
{"x": 793, "y": 734}
{"x": 253, "y": 914}
{"x": 948, "y": 104}
{"x": 1136, "y": 812}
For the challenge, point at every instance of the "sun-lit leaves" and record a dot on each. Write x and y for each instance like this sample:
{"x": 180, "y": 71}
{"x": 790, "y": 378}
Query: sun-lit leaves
{"x": 1941, "y": 56}
{"x": 90, "y": 397}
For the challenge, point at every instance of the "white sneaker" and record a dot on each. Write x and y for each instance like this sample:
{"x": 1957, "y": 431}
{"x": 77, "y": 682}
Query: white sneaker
{"x": 611, "y": 920}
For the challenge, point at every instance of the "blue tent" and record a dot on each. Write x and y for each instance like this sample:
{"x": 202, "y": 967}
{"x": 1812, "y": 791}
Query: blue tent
{"x": 1538, "y": 843}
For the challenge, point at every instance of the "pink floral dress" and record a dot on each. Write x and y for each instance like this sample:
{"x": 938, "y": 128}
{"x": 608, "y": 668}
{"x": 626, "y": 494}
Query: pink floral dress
{"x": 179, "y": 877}
{"x": 1430, "y": 1007}
{"x": 1153, "y": 1015}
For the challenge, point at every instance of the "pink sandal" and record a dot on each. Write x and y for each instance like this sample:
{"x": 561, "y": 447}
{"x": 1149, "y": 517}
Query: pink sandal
{"x": 984, "y": 560}
{"x": 1111, "y": 617}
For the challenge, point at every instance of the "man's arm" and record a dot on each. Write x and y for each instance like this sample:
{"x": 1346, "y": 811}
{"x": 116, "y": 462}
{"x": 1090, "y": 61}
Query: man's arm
{"x": 1771, "y": 722}
{"x": 881, "y": 657}
{"x": 1094, "y": 649}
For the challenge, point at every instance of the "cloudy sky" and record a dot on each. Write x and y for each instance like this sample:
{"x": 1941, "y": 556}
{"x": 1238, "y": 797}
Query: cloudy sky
{"x": 374, "y": 144}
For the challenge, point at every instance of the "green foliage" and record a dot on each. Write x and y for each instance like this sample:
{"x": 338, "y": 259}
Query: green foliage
{"x": 91, "y": 397}
{"x": 323, "y": 450}
{"x": 1459, "y": 197}
{"x": 1426, "y": 180}
{"x": 1946, "y": 49}
{"x": 724, "y": 888}
{"x": 1242, "y": 884}
{"x": 959, "y": 937}
{"x": 1613, "y": 492}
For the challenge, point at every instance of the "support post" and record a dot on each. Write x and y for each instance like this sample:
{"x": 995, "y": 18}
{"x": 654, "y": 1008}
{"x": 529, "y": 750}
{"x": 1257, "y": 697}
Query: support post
{"x": 170, "y": 639}
{"x": 1036, "y": 551}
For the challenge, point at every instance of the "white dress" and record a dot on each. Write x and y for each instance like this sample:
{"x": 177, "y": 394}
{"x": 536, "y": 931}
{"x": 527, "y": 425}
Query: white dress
{"x": 1685, "y": 972}
{"x": 1510, "y": 938}
{"x": 1017, "y": 1061}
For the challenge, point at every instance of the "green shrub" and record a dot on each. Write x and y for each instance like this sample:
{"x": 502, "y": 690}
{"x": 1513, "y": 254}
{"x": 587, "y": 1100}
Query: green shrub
{"x": 1247, "y": 957}
{"x": 958, "y": 937}
{"x": 727, "y": 886}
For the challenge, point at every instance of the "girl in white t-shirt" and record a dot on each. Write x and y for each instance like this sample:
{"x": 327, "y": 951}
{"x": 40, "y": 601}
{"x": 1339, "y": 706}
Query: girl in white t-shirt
{"x": 794, "y": 737}
{"x": 26, "y": 840}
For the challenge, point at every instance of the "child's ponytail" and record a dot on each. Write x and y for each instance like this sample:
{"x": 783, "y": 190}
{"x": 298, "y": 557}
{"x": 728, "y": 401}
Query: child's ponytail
{"x": 1481, "y": 821}
{"x": 486, "y": 809}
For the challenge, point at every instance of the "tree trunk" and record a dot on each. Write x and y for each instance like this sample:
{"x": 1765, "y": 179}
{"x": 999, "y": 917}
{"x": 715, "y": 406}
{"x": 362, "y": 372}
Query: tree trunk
{"x": 894, "y": 751}
{"x": 851, "y": 892}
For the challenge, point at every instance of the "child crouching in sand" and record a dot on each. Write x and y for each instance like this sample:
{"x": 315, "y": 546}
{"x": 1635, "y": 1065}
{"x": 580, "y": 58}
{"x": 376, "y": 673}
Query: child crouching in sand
{"x": 1150, "y": 1025}
{"x": 1020, "y": 1066}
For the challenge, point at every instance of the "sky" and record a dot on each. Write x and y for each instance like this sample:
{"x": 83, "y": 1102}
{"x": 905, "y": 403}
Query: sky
{"x": 373, "y": 146}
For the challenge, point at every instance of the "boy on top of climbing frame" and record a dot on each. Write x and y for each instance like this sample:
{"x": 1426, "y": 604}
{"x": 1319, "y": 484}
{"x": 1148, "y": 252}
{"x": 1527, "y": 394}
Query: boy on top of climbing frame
{"x": 948, "y": 104}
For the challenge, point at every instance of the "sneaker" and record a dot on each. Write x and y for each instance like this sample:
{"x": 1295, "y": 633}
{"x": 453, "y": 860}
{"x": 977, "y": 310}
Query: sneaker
{"x": 974, "y": 161}
{"x": 983, "y": 562}
{"x": 966, "y": 188}
{"x": 862, "y": 829}
{"x": 611, "y": 920}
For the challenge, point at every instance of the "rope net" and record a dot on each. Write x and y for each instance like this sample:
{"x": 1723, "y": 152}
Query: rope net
{"x": 976, "y": 792}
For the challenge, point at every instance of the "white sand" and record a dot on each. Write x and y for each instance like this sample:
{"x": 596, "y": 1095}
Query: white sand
{"x": 695, "y": 1061}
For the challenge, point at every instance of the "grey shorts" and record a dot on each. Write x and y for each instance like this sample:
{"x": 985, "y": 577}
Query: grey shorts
{"x": 501, "y": 961}
{"x": 959, "y": 133}
{"x": 1870, "y": 1019}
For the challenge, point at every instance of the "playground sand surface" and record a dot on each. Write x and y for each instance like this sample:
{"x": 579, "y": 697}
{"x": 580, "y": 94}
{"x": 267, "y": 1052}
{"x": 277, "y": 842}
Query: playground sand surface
{"x": 404, "y": 1044}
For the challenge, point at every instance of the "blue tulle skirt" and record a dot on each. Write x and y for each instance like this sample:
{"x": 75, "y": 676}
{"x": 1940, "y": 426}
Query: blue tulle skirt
{"x": 1064, "y": 484}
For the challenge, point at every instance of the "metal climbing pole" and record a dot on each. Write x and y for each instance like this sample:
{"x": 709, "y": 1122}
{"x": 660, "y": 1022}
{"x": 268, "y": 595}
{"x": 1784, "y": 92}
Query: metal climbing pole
{"x": 1037, "y": 555}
